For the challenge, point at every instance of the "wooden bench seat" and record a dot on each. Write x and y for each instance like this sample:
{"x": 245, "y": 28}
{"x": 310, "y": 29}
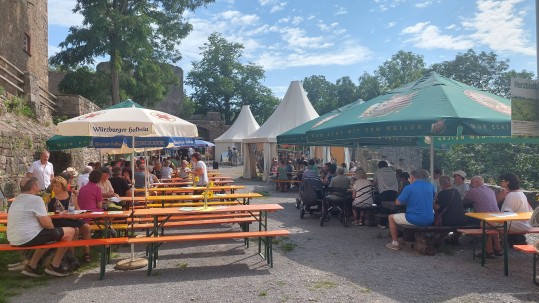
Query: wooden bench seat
{"x": 264, "y": 236}
{"x": 425, "y": 239}
{"x": 92, "y": 242}
{"x": 170, "y": 224}
{"x": 190, "y": 204}
{"x": 530, "y": 249}
{"x": 198, "y": 217}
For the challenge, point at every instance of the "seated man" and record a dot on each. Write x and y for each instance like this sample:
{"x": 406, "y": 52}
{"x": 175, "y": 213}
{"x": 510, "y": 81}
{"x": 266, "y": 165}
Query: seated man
{"x": 339, "y": 181}
{"x": 30, "y": 225}
{"x": 120, "y": 186}
{"x": 309, "y": 173}
{"x": 459, "y": 184}
{"x": 419, "y": 198}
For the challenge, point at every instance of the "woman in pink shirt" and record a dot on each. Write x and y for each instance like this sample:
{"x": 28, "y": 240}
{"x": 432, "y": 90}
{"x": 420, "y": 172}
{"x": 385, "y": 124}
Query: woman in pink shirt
{"x": 90, "y": 197}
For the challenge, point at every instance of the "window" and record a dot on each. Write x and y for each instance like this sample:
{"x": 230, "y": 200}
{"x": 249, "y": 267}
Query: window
{"x": 26, "y": 44}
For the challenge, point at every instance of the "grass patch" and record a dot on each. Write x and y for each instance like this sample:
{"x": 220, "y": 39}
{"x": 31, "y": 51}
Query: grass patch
{"x": 182, "y": 265}
{"x": 324, "y": 284}
{"x": 263, "y": 193}
{"x": 288, "y": 246}
{"x": 263, "y": 293}
{"x": 281, "y": 283}
{"x": 364, "y": 290}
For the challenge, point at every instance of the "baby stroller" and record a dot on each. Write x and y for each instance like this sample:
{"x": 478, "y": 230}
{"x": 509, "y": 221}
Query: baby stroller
{"x": 311, "y": 196}
{"x": 338, "y": 201}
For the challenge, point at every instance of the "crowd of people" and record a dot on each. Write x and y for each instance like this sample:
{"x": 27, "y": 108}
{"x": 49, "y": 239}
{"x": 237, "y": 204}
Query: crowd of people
{"x": 42, "y": 192}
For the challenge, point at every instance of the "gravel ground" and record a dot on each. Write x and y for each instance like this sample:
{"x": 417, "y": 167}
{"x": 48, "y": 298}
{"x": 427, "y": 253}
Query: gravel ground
{"x": 326, "y": 264}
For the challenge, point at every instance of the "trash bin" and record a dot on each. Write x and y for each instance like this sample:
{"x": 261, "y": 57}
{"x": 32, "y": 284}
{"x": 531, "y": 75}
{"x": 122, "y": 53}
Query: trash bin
{"x": 215, "y": 165}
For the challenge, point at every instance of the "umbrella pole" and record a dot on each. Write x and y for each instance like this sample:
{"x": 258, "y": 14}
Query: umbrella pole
{"x": 431, "y": 147}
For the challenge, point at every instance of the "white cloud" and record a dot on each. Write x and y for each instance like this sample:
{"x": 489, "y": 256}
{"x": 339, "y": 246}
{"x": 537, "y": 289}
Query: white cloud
{"x": 348, "y": 53}
{"x": 500, "y": 27}
{"x": 297, "y": 20}
{"x": 391, "y": 24}
{"x": 53, "y": 50}
{"x": 423, "y": 4}
{"x": 61, "y": 13}
{"x": 341, "y": 10}
{"x": 237, "y": 17}
{"x": 278, "y": 7}
{"x": 452, "y": 26}
{"x": 424, "y": 35}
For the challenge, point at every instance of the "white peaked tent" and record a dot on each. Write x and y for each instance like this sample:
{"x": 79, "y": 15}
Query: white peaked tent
{"x": 294, "y": 110}
{"x": 244, "y": 125}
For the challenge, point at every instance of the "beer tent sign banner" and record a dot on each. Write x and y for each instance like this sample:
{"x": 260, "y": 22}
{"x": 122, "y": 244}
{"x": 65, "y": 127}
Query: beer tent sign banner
{"x": 524, "y": 107}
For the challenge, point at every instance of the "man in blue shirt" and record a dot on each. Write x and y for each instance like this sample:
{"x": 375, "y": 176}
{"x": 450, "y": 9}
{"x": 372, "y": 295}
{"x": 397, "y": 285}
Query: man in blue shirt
{"x": 419, "y": 198}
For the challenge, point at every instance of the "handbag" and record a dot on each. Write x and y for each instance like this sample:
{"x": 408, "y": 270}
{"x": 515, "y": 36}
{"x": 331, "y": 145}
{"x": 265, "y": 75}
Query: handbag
{"x": 438, "y": 215}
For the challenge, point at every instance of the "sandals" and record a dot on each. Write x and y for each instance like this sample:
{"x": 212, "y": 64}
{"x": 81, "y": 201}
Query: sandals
{"x": 357, "y": 223}
{"x": 86, "y": 258}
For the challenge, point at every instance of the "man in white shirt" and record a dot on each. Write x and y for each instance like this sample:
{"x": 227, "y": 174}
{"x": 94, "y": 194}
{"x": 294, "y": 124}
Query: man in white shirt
{"x": 30, "y": 225}
{"x": 42, "y": 170}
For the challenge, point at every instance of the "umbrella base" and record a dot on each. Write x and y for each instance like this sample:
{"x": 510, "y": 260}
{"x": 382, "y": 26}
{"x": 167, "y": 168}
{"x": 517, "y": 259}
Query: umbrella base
{"x": 130, "y": 264}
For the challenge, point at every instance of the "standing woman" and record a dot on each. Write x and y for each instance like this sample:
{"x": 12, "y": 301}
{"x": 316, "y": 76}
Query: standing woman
{"x": 63, "y": 196}
{"x": 199, "y": 169}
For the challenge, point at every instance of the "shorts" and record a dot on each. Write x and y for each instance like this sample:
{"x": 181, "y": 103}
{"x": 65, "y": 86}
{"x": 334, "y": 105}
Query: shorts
{"x": 75, "y": 223}
{"x": 46, "y": 236}
{"x": 400, "y": 219}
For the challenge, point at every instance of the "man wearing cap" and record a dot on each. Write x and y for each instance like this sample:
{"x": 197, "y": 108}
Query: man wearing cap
{"x": 107, "y": 191}
{"x": 459, "y": 184}
{"x": 42, "y": 170}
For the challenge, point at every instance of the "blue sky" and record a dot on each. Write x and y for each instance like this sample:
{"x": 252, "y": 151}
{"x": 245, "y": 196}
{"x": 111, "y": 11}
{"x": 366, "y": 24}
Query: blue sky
{"x": 294, "y": 39}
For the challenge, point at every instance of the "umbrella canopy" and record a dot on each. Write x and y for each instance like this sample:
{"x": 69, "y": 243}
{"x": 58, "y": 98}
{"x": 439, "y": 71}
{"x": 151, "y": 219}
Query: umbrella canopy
{"x": 431, "y": 106}
{"x": 130, "y": 122}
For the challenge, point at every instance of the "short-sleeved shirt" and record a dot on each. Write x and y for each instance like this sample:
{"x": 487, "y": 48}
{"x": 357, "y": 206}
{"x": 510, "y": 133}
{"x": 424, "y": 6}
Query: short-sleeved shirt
{"x": 363, "y": 190}
{"x": 386, "y": 179}
{"x": 309, "y": 174}
{"x": 82, "y": 180}
{"x": 88, "y": 197}
{"x": 451, "y": 205}
{"x": 166, "y": 172}
{"x": 482, "y": 198}
{"x": 419, "y": 198}
{"x": 202, "y": 179}
{"x": 517, "y": 202}
{"x": 462, "y": 188}
{"x": 106, "y": 187}
{"x": 120, "y": 185}
{"x": 23, "y": 218}
{"x": 42, "y": 173}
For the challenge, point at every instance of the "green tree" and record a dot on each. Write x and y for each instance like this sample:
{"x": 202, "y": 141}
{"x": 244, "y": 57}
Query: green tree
{"x": 369, "y": 87}
{"x": 129, "y": 32}
{"x": 188, "y": 107}
{"x": 222, "y": 83}
{"x": 346, "y": 91}
{"x": 87, "y": 83}
{"x": 403, "y": 67}
{"x": 321, "y": 93}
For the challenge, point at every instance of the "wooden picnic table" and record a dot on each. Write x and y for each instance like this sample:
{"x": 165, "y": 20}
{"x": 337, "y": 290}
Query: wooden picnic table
{"x": 187, "y": 183}
{"x": 191, "y": 189}
{"x": 498, "y": 218}
{"x": 184, "y": 199}
{"x": 160, "y": 216}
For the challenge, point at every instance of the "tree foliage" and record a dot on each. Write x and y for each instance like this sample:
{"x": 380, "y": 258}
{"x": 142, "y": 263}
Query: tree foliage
{"x": 222, "y": 83}
{"x": 369, "y": 86}
{"x": 139, "y": 34}
{"x": 403, "y": 67}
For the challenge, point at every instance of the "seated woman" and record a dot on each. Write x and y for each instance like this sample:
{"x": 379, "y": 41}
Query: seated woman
{"x": 362, "y": 193}
{"x": 515, "y": 201}
{"x": 62, "y": 196}
{"x": 90, "y": 197}
{"x": 183, "y": 171}
{"x": 450, "y": 203}
{"x": 166, "y": 170}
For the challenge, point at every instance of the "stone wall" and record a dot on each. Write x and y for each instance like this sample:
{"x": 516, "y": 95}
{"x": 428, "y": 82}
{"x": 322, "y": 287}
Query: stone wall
{"x": 74, "y": 105}
{"x": 405, "y": 158}
{"x": 20, "y": 18}
{"x": 172, "y": 103}
{"x": 210, "y": 126}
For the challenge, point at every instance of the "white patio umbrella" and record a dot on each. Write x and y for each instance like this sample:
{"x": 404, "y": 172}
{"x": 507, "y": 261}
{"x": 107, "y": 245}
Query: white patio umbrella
{"x": 131, "y": 121}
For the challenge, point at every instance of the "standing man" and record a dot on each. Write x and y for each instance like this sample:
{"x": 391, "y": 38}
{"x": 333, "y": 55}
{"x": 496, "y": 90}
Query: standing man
{"x": 229, "y": 155}
{"x": 419, "y": 198}
{"x": 30, "y": 225}
{"x": 42, "y": 170}
{"x": 235, "y": 156}
{"x": 458, "y": 183}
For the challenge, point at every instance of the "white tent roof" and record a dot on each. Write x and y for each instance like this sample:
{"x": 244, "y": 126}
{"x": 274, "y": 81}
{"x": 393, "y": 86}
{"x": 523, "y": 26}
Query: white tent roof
{"x": 244, "y": 125}
{"x": 294, "y": 110}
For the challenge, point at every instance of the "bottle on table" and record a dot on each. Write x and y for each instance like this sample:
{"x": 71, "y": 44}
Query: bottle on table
{"x": 71, "y": 207}
{"x": 57, "y": 207}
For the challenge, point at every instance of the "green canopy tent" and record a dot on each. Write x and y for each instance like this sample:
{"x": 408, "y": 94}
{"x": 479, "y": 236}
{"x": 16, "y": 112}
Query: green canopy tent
{"x": 424, "y": 111}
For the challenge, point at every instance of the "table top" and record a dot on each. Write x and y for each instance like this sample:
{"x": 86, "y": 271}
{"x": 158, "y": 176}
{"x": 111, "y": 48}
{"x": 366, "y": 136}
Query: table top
{"x": 199, "y": 210}
{"x": 189, "y": 183}
{"x": 191, "y": 188}
{"x": 193, "y": 197}
{"x": 212, "y": 178}
{"x": 500, "y": 217}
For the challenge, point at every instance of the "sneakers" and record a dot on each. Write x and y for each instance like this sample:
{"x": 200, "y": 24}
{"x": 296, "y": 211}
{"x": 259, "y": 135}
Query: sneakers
{"x": 56, "y": 271}
{"x": 30, "y": 272}
{"x": 393, "y": 246}
{"x": 382, "y": 226}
